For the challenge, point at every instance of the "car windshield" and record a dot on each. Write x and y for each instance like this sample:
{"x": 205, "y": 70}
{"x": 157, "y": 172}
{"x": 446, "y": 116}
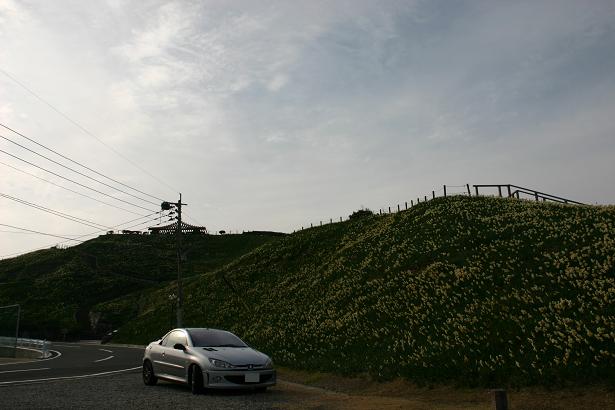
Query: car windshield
{"x": 214, "y": 338}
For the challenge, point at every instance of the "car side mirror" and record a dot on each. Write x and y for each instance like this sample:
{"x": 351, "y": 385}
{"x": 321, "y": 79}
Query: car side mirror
{"x": 179, "y": 346}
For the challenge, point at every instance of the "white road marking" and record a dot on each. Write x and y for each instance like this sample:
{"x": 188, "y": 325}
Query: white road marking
{"x": 105, "y": 350}
{"x": 85, "y": 376}
{"x": 73, "y": 346}
{"x": 24, "y": 370}
{"x": 102, "y": 360}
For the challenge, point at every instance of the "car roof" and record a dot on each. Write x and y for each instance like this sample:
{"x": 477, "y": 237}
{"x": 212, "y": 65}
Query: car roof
{"x": 188, "y": 329}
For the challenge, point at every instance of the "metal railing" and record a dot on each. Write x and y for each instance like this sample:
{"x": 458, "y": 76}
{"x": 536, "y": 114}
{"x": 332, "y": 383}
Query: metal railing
{"x": 503, "y": 190}
{"x": 514, "y": 191}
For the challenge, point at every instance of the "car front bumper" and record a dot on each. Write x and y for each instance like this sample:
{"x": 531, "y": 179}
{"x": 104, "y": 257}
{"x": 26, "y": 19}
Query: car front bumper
{"x": 229, "y": 379}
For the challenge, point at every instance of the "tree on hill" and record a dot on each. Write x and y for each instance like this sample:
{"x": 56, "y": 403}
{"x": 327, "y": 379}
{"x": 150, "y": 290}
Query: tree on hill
{"x": 361, "y": 213}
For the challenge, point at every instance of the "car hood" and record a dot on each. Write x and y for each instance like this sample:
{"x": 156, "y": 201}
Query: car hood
{"x": 234, "y": 355}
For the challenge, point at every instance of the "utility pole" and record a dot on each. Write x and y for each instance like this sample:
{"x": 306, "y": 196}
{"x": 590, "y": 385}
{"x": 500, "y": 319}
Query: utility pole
{"x": 180, "y": 291}
{"x": 178, "y": 235}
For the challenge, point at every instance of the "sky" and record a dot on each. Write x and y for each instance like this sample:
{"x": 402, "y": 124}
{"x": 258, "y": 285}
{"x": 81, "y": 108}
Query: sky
{"x": 271, "y": 115}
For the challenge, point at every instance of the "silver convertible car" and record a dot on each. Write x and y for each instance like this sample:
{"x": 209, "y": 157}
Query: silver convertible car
{"x": 207, "y": 358}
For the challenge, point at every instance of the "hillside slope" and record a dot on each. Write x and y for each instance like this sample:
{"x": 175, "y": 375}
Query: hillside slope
{"x": 58, "y": 287}
{"x": 472, "y": 290}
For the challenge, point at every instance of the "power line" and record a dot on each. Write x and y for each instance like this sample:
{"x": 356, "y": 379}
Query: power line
{"x": 68, "y": 189}
{"x": 77, "y": 162}
{"x": 75, "y": 171}
{"x": 74, "y": 182}
{"x": 83, "y": 236}
{"x": 75, "y": 123}
{"x": 142, "y": 223}
{"x": 41, "y": 233}
{"x": 54, "y": 212}
{"x": 24, "y": 233}
{"x": 193, "y": 218}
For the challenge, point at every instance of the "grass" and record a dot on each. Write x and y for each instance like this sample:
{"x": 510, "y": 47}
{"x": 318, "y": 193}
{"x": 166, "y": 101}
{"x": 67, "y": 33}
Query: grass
{"x": 58, "y": 289}
{"x": 469, "y": 291}
{"x": 364, "y": 392}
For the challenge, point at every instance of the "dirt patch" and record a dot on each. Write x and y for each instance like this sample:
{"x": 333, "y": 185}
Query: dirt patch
{"x": 324, "y": 390}
{"x": 305, "y": 397}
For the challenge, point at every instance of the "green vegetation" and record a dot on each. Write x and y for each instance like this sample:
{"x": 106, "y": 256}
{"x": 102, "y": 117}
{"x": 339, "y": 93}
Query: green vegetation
{"x": 361, "y": 213}
{"x": 468, "y": 290}
{"x": 57, "y": 288}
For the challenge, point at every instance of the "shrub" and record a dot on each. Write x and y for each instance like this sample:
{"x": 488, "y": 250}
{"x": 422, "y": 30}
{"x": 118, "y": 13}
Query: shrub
{"x": 361, "y": 213}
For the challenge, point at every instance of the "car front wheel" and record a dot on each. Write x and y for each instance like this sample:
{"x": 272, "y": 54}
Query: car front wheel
{"x": 148, "y": 374}
{"x": 196, "y": 380}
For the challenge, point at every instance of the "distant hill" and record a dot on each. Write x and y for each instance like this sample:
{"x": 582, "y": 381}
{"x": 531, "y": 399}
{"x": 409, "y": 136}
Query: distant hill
{"x": 466, "y": 290}
{"x": 58, "y": 287}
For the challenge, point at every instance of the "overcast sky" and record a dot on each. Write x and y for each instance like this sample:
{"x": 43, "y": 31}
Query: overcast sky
{"x": 269, "y": 115}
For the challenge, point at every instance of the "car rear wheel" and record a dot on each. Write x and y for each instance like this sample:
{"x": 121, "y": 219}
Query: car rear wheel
{"x": 148, "y": 374}
{"x": 196, "y": 379}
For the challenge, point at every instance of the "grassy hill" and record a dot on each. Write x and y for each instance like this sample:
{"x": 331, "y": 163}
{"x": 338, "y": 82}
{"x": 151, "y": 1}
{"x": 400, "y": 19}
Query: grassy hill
{"x": 57, "y": 288}
{"x": 469, "y": 290}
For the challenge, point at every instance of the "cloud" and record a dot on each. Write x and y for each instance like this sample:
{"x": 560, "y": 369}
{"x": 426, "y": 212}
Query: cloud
{"x": 271, "y": 112}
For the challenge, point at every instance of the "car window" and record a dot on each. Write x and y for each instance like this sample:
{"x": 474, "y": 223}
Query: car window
{"x": 164, "y": 340}
{"x": 181, "y": 338}
{"x": 214, "y": 338}
{"x": 173, "y": 338}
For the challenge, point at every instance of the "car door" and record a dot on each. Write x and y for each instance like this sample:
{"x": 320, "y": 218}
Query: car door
{"x": 156, "y": 356}
{"x": 177, "y": 360}
{"x": 171, "y": 362}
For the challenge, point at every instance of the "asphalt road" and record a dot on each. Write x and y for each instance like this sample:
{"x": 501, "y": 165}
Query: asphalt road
{"x": 109, "y": 377}
{"x": 72, "y": 360}
{"x": 127, "y": 391}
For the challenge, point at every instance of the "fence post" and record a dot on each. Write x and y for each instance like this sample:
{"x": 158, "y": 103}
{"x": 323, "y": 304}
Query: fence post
{"x": 476, "y": 189}
{"x": 468, "y": 186}
{"x": 398, "y": 208}
{"x": 433, "y": 194}
{"x": 320, "y": 223}
{"x": 444, "y": 191}
{"x": 389, "y": 209}
{"x": 500, "y": 190}
{"x": 406, "y": 205}
{"x": 380, "y": 211}
{"x": 340, "y": 219}
{"x": 331, "y": 220}
{"x": 536, "y": 196}
{"x": 500, "y": 399}
{"x": 311, "y": 226}
{"x": 418, "y": 200}
{"x": 509, "y": 190}
{"x": 411, "y": 203}
{"x": 425, "y": 198}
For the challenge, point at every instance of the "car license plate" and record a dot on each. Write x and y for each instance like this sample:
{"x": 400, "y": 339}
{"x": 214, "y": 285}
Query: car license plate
{"x": 252, "y": 377}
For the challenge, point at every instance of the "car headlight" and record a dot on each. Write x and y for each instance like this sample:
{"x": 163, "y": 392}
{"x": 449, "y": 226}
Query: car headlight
{"x": 268, "y": 364}
{"x": 220, "y": 363}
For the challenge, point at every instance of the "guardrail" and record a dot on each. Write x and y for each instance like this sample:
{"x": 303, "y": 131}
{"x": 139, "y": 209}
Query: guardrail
{"x": 41, "y": 346}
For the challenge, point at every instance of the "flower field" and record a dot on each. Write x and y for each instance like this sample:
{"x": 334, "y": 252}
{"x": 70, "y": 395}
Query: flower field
{"x": 481, "y": 291}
